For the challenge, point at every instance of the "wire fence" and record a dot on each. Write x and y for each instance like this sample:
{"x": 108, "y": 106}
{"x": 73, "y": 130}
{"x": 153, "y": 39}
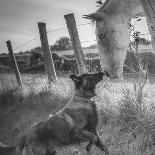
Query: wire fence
{"x": 82, "y": 42}
{"x": 51, "y": 31}
{"x": 65, "y": 28}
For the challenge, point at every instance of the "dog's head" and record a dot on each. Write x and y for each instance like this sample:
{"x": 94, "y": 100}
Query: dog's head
{"x": 86, "y": 83}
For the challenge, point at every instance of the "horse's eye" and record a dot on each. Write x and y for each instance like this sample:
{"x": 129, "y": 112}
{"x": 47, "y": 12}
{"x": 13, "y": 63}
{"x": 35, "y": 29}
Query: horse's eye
{"x": 102, "y": 36}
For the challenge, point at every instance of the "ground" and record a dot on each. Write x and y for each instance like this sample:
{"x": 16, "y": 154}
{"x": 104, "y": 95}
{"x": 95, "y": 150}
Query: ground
{"x": 127, "y": 122}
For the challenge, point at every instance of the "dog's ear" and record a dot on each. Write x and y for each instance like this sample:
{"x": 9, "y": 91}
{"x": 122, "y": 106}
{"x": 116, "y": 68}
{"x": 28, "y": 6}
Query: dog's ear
{"x": 75, "y": 78}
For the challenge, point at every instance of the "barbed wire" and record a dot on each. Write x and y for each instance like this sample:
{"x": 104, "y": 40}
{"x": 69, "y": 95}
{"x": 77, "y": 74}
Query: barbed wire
{"x": 63, "y": 28}
{"x": 151, "y": 5}
{"x": 88, "y": 41}
{"x": 83, "y": 24}
{"x": 49, "y": 31}
{"x": 25, "y": 43}
{"x": 59, "y": 29}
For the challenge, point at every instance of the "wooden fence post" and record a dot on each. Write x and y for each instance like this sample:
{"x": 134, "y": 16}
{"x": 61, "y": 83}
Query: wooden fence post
{"x": 149, "y": 10}
{"x": 14, "y": 63}
{"x": 48, "y": 60}
{"x": 79, "y": 56}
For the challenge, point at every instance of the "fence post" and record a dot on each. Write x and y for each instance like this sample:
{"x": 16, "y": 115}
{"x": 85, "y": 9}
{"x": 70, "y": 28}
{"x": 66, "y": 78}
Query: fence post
{"x": 149, "y": 10}
{"x": 71, "y": 24}
{"x": 48, "y": 60}
{"x": 14, "y": 63}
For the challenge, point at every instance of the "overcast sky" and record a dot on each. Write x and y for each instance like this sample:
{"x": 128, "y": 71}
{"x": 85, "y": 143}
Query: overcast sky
{"x": 18, "y": 20}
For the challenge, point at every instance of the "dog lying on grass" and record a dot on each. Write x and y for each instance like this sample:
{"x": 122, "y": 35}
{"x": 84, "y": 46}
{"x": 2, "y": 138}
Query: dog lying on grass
{"x": 75, "y": 123}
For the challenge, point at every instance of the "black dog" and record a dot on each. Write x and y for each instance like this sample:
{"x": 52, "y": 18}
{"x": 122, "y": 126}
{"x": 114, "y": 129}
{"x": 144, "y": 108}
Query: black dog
{"x": 75, "y": 123}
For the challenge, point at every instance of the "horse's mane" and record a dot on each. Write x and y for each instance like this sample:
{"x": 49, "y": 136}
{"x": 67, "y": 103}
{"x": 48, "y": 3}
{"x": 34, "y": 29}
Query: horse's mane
{"x": 105, "y": 3}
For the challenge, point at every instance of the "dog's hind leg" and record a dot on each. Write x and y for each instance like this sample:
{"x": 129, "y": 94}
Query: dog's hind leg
{"x": 98, "y": 143}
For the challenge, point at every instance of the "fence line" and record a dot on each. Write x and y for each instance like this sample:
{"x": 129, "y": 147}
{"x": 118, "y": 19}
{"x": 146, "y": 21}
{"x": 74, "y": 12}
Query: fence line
{"x": 49, "y": 31}
{"x": 55, "y": 30}
{"x": 22, "y": 45}
{"x": 87, "y": 41}
{"x": 59, "y": 29}
{"x": 75, "y": 42}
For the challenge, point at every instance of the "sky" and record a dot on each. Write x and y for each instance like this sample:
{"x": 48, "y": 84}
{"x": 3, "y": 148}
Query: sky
{"x": 19, "y": 18}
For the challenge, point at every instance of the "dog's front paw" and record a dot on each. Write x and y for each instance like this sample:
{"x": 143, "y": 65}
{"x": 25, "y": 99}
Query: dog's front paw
{"x": 89, "y": 146}
{"x": 106, "y": 151}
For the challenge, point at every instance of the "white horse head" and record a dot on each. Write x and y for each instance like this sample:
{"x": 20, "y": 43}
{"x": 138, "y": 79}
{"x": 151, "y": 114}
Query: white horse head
{"x": 112, "y": 32}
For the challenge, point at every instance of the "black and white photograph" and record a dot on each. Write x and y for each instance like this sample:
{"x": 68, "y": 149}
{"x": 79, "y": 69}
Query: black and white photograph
{"x": 77, "y": 77}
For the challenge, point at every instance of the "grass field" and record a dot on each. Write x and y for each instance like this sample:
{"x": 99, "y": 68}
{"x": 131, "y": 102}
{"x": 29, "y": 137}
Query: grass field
{"x": 127, "y": 115}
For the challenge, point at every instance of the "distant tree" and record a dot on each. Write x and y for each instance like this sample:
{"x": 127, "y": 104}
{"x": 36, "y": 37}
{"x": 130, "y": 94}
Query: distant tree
{"x": 27, "y": 51}
{"x": 64, "y": 43}
{"x": 144, "y": 41}
{"x": 35, "y": 57}
{"x": 21, "y": 52}
{"x": 3, "y": 54}
{"x": 38, "y": 49}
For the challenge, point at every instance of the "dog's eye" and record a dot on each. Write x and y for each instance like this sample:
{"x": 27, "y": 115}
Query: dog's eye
{"x": 102, "y": 36}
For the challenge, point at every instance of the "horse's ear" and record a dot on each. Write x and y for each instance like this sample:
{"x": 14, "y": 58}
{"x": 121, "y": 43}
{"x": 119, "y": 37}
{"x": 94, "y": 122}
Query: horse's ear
{"x": 94, "y": 16}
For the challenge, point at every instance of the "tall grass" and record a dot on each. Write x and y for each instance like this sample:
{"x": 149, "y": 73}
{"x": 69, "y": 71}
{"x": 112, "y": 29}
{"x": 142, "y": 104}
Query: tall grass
{"x": 127, "y": 114}
{"x": 22, "y": 107}
{"x": 131, "y": 119}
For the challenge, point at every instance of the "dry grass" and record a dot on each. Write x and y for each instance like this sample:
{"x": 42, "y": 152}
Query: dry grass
{"x": 127, "y": 123}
